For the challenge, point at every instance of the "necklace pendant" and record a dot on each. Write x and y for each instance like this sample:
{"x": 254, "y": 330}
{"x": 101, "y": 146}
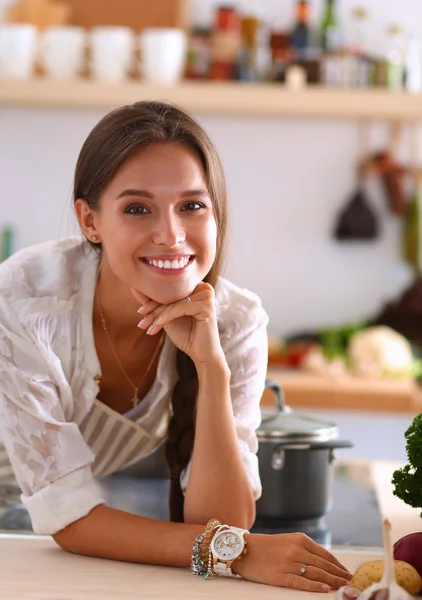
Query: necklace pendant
{"x": 135, "y": 398}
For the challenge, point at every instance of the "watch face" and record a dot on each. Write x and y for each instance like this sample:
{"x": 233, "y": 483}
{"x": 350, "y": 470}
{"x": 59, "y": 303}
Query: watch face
{"x": 227, "y": 545}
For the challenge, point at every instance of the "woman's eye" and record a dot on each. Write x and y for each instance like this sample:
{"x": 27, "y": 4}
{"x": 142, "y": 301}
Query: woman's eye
{"x": 136, "y": 209}
{"x": 193, "y": 206}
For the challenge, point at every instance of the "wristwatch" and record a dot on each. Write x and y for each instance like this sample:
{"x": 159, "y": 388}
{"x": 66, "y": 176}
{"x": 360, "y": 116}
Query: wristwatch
{"x": 227, "y": 546}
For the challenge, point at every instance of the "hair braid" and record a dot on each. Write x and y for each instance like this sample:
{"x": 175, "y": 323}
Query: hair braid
{"x": 181, "y": 430}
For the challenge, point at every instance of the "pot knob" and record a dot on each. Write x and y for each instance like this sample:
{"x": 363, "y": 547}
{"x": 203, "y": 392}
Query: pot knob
{"x": 277, "y": 459}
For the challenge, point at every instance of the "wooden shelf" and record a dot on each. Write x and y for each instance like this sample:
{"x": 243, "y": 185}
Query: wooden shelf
{"x": 346, "y": 393}
{"x": 217, "y": 98}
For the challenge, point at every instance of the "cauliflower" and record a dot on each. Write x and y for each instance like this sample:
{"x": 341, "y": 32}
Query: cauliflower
{"x": 380, "y": 352}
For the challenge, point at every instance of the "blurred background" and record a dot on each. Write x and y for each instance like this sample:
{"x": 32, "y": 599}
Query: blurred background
{"x": 315, "y": 107}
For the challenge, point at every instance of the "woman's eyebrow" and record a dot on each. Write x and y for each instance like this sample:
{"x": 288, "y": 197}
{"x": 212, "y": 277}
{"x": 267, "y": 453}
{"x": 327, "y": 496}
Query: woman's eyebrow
{"x": 145, "y": 194}
{"x": 132, "y": 192}
{"x": 199, "y": 192}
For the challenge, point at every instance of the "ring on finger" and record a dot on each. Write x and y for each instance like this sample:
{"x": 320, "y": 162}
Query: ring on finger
{"x": 303, "y": 570}
{"x": 188, "y": 299}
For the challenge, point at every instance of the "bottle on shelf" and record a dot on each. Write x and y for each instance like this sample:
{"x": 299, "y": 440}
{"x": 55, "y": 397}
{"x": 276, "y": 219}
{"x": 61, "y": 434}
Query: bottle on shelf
{"x": 360, "y": 63}
{"x": 263, "y": 52}
{"x": 330, "y": 28}
{"x": 248, "y": 61}
{"x": 395, "y": 58}
{"x": 226, "y": 43}
{"x": 334, "y": 57}
{"x": 301, "y": 30}
{"x": 282, "y": 55}
{"x": 198, "y": 55}
{"x": 413, "y": 65}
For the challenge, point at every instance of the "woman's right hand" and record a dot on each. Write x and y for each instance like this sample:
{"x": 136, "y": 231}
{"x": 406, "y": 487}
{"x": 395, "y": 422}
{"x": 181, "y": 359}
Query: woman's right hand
{"x": 278, "y": 560}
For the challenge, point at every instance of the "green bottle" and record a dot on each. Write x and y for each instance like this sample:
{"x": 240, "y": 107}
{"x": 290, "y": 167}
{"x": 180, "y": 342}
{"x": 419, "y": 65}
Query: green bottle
{"x": 7, "y": 236}
{"x": 412, "y": 246}
{"x": 330, "y": 30}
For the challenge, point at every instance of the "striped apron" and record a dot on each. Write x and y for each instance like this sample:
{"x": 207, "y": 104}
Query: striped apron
{"x": 116, "y": 441}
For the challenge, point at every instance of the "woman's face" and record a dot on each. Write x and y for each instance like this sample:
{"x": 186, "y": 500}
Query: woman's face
{"x": 156, "y": 223}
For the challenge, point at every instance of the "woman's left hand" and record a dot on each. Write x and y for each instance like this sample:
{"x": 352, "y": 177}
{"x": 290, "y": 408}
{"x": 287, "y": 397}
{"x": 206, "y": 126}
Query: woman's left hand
{"x": 191, "y": 326}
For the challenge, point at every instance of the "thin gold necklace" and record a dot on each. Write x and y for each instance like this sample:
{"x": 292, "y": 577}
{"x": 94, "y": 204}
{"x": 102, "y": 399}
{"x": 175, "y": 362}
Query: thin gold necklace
{"x": 135, "y": 399}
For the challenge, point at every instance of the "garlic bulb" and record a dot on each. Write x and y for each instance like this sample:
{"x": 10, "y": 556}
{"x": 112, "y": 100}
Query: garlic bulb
{"x": 348, "y": 592}
{"x": 387, "y": 588}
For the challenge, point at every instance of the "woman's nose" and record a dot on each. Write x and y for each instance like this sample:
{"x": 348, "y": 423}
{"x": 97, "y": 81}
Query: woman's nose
{"x": 169, "y": 232}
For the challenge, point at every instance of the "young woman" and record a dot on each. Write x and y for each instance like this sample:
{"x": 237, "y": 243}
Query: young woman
{"x": 128, "y": 338}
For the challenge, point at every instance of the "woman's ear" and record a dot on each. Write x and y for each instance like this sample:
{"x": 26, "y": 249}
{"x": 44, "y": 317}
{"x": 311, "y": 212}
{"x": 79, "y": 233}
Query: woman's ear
{"x": 87, "y": 221}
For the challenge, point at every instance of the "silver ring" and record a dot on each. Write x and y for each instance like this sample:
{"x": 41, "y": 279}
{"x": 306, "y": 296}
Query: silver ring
{"x": 303, "y": 569}
{"x": 188, "y": 299}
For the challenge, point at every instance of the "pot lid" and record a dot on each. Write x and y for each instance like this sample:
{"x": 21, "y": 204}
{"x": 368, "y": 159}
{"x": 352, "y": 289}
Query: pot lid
{"x": 283, "y": 425}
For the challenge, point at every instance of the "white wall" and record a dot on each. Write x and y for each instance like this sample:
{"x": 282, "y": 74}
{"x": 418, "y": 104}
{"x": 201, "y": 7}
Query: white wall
{"x": 287, "y": 179}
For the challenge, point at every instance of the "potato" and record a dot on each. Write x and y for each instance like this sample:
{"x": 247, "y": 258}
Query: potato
{"x": 371, "y": 572}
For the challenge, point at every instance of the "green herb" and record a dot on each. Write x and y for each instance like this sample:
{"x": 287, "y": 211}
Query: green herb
{"x": 335, "y": 340}
{"x": 408, "y": 480}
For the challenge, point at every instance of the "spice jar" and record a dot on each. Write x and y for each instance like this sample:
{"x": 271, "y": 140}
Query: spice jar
{"x": 226, "y": 41}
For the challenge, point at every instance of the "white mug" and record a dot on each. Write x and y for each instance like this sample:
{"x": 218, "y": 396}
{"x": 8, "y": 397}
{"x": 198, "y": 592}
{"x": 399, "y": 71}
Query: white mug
{"x": 112, "y": 52}
{"x": 18, "y": 50}
{"x": 163, "y": 54}
{"x": 62, "y": 51}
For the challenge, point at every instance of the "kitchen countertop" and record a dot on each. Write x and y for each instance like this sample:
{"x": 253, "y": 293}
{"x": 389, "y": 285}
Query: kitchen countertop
{"x": 33, "y": 568}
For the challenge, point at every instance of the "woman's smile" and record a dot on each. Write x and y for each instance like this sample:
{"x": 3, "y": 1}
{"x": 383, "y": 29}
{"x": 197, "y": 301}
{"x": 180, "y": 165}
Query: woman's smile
{"x": 167, "y": 265}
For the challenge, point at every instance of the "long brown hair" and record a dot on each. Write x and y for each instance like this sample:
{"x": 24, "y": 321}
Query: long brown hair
{"x": 113, "y": 140}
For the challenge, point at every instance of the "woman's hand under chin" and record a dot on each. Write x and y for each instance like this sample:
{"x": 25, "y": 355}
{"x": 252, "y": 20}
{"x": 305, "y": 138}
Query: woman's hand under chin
{"x": 191, "y": 326}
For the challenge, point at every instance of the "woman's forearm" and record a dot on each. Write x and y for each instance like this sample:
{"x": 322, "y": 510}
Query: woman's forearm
{"x": 218, "y": 484}
{"x": 110, "y": 533}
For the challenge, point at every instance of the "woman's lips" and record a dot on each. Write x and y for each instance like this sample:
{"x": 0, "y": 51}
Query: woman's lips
{"x": 171, "y": 271}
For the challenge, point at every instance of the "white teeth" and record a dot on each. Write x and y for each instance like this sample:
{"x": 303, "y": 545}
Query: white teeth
{"x": 167, "y": 264}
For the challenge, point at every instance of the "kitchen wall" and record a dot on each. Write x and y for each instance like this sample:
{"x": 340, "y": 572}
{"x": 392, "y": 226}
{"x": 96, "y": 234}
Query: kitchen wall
{"x": 287, "y": 179}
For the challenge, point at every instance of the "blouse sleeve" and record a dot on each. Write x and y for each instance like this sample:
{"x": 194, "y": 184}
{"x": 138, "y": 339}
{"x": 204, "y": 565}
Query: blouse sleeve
{"x": 48, "y": 454}
{"x": 245, "y": 343}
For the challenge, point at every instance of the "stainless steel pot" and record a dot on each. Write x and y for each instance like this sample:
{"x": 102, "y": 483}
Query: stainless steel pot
{"x": 295, "y": 461}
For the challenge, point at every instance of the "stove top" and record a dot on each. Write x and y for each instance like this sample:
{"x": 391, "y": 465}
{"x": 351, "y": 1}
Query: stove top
{"x": 353, "y": 520}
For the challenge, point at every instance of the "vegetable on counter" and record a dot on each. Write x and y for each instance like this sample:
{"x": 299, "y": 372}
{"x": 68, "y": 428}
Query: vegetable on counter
{"x": 409, "y": 549}
{"x": 372, "y": 572}
{"x": 380, "y": 352}
{"x": 383, "y": 580}
{"x": 408, "y": 480}
{"x": 359, "y": 350}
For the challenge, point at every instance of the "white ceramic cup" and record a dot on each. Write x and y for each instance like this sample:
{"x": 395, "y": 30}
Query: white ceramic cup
{"x": 163, "y": 55}
{"x": 18, "y": 50}
{"x": 112, "y": 52}
{"x": 62, "y": 51}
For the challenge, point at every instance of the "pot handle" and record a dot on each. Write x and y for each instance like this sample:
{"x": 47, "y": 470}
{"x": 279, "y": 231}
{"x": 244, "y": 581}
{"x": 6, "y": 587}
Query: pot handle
{"x": 270, "y": 384}
{"x": 328, "y": 445}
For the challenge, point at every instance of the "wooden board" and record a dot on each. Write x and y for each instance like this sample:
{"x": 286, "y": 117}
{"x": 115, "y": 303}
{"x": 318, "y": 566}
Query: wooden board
{"x": 345, "y": 393}
{"x": 137, "y": 14}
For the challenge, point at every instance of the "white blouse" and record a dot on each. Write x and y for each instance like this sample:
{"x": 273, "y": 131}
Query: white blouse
{"x": 48, "y": 387}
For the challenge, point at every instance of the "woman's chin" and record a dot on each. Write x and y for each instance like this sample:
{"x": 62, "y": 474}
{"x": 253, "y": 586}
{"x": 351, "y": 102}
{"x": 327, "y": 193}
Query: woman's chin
{"x": 169, "y": 298}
